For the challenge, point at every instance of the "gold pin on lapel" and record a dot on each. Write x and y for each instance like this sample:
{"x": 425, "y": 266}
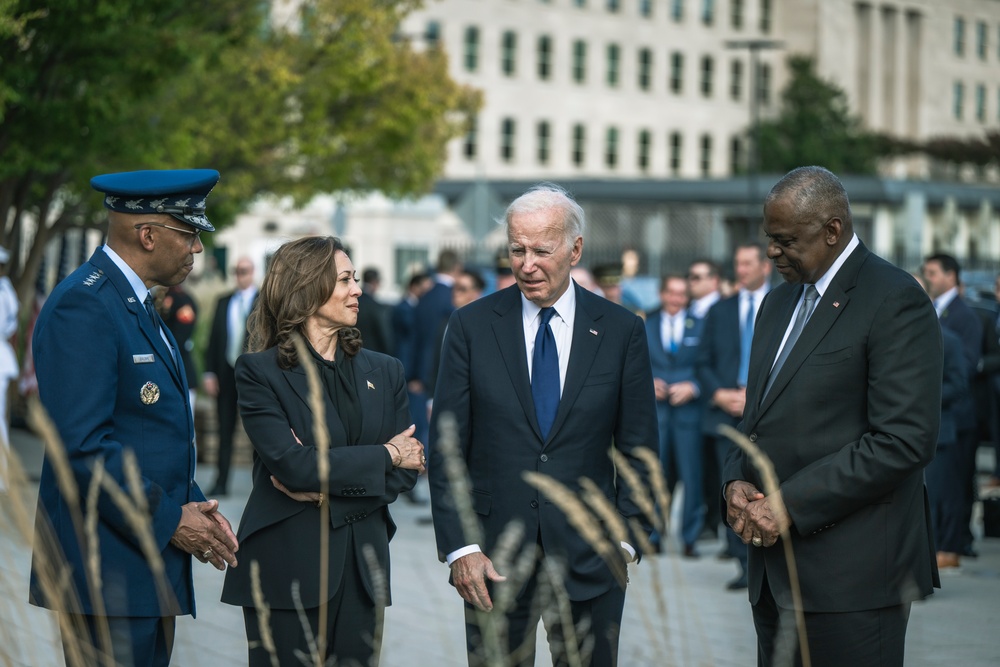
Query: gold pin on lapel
{"x": 370, "y": 385}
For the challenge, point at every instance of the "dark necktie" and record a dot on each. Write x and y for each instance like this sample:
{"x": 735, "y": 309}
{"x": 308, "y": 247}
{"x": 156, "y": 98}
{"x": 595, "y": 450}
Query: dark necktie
{"x": 545, "y": 373}
{"x": 746, "y": 338}
{"x": 151, "y": 311}
{"x": 801, "y": 318}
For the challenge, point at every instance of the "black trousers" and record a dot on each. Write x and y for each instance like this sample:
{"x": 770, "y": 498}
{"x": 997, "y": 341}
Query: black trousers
{"x": 135, "y": 642}
{"x": 870, "y": 638}
{"x": 227, "y": 412}
{"x": 351, "y": 627}
{"x": 596, "y": 627}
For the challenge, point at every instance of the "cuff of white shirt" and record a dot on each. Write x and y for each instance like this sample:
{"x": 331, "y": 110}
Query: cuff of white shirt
{"x": 471, "y": 549}
{"x": 630, "y": 549}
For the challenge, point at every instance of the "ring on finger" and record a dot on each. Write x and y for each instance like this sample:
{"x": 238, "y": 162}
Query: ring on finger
{"x": 207, "y": 554}
{"x": 758, "y": 542}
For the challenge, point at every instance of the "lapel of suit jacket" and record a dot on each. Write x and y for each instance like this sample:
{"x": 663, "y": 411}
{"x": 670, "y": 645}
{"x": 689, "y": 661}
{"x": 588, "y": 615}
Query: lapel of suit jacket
{"x": 137, "y": 310}
{"x": 654, "y": 324}
{"x": 587, "y": 337}
{"x": 828, "y": 310}
{"x": 370, "y": 387}
{"x": 299, "y": 382}
{"x": 509, "y": 332}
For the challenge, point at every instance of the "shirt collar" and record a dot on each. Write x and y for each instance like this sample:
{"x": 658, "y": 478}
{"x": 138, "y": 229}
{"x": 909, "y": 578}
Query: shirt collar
{"x": 131, "y": 276}
{"x": 942, "y": 302}
{"x": 699, "y": 307}
{"x": 564, "y": 305}
{"x": 824, "y": 282}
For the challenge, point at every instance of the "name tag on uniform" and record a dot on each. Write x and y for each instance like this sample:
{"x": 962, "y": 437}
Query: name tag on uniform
{"x": 143, "y": 359}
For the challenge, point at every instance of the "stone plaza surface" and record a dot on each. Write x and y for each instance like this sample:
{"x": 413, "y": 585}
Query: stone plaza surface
{"x": 677, "y": 610}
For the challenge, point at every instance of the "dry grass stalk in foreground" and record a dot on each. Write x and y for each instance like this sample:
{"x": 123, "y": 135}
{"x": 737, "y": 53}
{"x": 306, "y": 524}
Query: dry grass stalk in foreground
{"x": 322, "y": 438}
{"x": 263, "y": 614}
{"x": 771, "y": 486}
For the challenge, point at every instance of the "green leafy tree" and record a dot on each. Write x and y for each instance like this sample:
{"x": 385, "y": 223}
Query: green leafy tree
{"x": 814, "y": 126}
{"x": 330, "y": 102}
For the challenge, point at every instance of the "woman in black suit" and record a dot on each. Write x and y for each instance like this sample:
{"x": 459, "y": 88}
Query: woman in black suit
{"x": 311, "y": 291}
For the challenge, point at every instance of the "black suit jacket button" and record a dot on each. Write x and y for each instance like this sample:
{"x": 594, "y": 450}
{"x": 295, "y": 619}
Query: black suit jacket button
{"x": 753, "y": 437}
{"x": 544, "y": 458}
{"x": 534, "y": 504}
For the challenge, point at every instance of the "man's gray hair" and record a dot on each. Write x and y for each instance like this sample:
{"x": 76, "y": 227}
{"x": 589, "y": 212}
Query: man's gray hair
{"x": 545, "y": 196}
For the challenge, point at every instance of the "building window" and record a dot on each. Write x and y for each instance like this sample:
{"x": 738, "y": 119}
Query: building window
{"x": 471, "y": 49}
{"x": 470, "y": 145}
{"x": 958, "y": 100}
{"x": 645, "y": 68}
{"x": 433, "y": 34}
{"x": 764, "y": 84}
{"x": 677, "y": 10}
{"x": 508, "y": 53}
{"x": 736, "y": 82}
{"x": 613, "y": 5}
{"x": 675, "y": 153}
{"x": 614, "y": 56}
{"x": 646, "y": 8}
{"x": 706, "y": 76}
{"x": 765, "y": 16}
{"x": 708, "y": 11}
{"x": 980, "y": 103}
{"x": 736, "y": 14}
{"x": 644, "y": 140}
{"x": 611, "y": 149}
{"x": 735, "y": 156}
{"x": 544, "y": 57}
{"x": 706, "y": 155}
{"x": 508, "y": 135}
{"x": 579, "y": 144}
{"x": 959, "y": 36}
{"x": 981, "y": 40}
{"x": 677, "y": 72}
{"x": 580, "y": 61}
{"x": 544, "y": 134}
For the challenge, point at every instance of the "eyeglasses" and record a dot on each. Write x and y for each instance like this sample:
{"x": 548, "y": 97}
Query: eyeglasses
{"x": 196, "y": 234}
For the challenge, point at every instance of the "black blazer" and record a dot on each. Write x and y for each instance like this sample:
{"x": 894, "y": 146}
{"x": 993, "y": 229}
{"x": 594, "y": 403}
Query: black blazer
{"x": 850, "y": 424}
{"x": 283, "y": 535}
{"x": 218, "y": 337}
{"x": 607, "y": 398}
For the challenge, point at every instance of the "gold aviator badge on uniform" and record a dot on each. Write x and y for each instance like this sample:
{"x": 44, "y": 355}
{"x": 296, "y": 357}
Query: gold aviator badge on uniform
{"x": 149, "y": 393}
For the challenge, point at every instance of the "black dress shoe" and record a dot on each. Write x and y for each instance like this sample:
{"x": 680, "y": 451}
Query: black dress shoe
{"x": 737, "y": 584}
{"x": 690, "y": 551}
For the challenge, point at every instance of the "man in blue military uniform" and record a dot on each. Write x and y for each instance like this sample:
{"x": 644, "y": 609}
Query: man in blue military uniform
{"x": 111, "y": 378}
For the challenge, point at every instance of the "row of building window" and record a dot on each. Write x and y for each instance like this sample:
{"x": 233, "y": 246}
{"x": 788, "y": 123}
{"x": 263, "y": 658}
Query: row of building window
{"x": 978, "y": 101}
{"x": 611, "y": 154}
{"x": 706, "y": 10}
{"x": 982, "y": 39}
{"x": 645, "y": 59}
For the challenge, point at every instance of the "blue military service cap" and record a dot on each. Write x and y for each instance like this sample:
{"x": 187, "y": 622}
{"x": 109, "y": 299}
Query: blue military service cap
{"x": 180, "y": 193}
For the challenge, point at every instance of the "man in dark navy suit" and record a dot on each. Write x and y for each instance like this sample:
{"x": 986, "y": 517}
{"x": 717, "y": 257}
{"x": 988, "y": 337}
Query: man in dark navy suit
{"x": 124, "y": 402}
{"x": 546, "y": 377}
{"x": 673, "y": 337}
{"x": 943, "y": 275}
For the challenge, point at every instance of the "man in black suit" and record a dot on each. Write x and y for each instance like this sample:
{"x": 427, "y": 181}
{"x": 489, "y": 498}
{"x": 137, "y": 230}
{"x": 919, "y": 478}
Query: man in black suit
{"x": 226, "y": 342}
{"x": 373, "y": 319}
{"x": 544, "y": 377}
{"x": 844, "y": 398}
{"x": 943, "y": 275}
{"x": 722, "y": 366}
